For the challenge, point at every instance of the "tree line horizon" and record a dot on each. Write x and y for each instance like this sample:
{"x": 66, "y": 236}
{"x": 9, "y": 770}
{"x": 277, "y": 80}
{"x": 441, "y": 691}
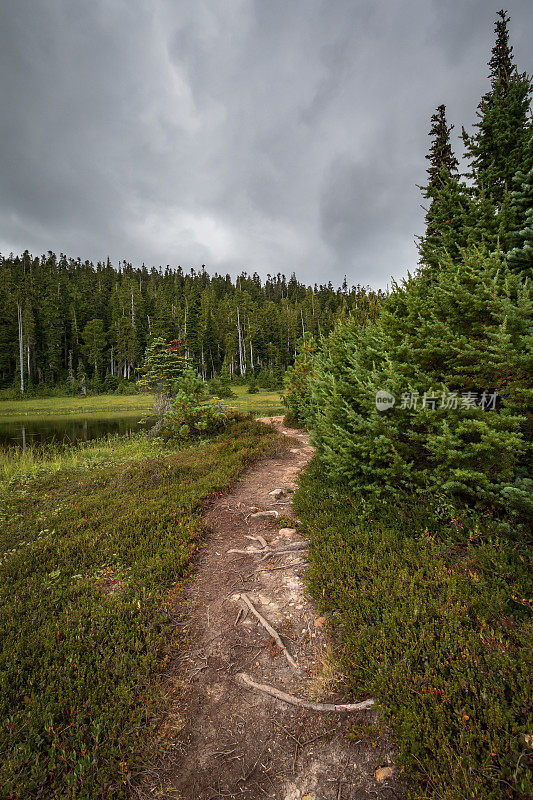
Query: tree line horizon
{"x": 67, "y": 321}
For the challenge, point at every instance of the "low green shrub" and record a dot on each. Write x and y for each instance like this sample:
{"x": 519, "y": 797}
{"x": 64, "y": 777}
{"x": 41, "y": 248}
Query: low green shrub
{"x": 270, "y": 378}
{"x": 217, "y": 388}
{"x": 433, "y": 620}
{"x": 191, "y": 413}
{"x": 126, "y": 387}
{"x": 252, "y": 386}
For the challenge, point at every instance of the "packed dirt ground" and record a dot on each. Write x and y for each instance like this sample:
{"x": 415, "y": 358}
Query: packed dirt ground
{"x": 251, "y": 628}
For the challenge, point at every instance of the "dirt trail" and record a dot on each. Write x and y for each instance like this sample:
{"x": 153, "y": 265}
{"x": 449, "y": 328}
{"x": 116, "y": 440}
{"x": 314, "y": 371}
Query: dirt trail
{"x": 223, "y": 740}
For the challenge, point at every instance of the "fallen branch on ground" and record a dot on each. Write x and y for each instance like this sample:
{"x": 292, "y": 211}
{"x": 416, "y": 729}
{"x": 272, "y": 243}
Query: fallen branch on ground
{"x": 271, "y": 631}
{"x": 245, "y": 680}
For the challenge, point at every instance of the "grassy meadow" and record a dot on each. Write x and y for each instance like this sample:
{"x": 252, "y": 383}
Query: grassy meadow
{"x": 93, "y": 554}
{"x": 261, "y": 404}
{"x": 79, "y": 406}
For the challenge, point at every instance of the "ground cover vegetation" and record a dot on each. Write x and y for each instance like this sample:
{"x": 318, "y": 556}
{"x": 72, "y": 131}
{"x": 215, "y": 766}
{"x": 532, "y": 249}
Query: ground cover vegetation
{"x": 94, "y": 549}
{"x": 419, "y": 510}
{"x": 432, "y": 612}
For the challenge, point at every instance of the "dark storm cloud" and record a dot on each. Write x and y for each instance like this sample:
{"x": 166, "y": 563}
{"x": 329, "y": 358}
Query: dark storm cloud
{"x": 267, "y": 135}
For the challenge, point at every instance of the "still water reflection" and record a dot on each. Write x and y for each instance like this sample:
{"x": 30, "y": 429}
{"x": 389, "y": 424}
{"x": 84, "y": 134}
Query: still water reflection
{"x": 23, "y": 433}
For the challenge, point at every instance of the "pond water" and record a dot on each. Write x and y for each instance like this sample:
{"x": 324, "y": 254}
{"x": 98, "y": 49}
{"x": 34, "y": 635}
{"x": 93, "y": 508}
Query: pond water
{"x": 24, "y": 433}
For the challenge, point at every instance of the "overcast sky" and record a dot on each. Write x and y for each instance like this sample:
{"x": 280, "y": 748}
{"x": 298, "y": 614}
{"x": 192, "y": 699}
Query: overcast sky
{"x": 266, "y": 135}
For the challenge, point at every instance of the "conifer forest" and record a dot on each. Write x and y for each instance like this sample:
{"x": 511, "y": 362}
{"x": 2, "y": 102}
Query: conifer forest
{"x": 70, "y": 319}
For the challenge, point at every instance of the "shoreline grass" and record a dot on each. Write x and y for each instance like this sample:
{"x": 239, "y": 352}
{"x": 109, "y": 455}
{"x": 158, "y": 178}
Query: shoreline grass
{"x": 92, "y": 556}
{"x": 19, "y": 466}
{"x": 263, "y": 403}
{"x": 102, "y": 404}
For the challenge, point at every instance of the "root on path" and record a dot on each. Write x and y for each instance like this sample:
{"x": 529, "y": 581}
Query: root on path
{"x": 271, "y": 631}
{"x": 336, "y": 708}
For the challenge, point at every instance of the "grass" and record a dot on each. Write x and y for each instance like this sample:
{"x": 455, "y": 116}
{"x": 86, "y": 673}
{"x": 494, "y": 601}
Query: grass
{"x": 18, "y": 467}
{"x": 263, "y": 403}
{"x": 99, "y": 405}
{"x": 94, "y": 549}
{"x": 435, "y": 622}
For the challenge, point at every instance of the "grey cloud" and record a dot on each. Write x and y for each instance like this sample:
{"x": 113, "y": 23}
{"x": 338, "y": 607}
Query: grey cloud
{"x": 236, "y": 133}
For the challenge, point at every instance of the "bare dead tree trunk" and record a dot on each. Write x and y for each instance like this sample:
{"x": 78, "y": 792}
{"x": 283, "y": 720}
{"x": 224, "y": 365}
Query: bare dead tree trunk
{"x": 70, "y": 370}
{"x": 185, "y": 329}
{"x": 21, "y": 348}
{"x": 240, "y": 341}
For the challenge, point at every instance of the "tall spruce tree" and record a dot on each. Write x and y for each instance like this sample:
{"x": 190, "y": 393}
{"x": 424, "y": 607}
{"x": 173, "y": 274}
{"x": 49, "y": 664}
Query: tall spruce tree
{"x": 449, "y": 210}
{"x": 520, "y": 254}
{"x": 441, "y": 156}
{"x": 94, "y": 342}
{"x": 496, "y": 149}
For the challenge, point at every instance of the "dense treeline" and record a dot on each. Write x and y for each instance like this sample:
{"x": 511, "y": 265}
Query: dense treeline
{"x": 420, "y": 498}
{"x": 64, "y": 322}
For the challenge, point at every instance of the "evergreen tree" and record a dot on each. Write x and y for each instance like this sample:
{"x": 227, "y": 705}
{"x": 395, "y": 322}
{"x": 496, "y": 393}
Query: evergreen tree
{"x": 28, "y": 327}
{"x": 163, "y": 367}
{"x": 94, "y": 341}
{"x": 126, "y": 346}
{"x": 193, "y": 335}
{"x": 520, "y": 255}
{"x": 441, "y": 156}
{"x": 450, "y": 209}
{"x": 452, "y": 346}
{"x": 52, "y": 329}
{"x": 496, "y": 149}
{"x": 8, "y": 335}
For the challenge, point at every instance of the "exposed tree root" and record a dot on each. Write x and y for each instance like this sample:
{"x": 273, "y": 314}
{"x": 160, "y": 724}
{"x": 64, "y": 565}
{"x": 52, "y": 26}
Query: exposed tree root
{"x": 337, "y": 708}
{"x": 267, "y": 552}
{"x": 271, "y": 631}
